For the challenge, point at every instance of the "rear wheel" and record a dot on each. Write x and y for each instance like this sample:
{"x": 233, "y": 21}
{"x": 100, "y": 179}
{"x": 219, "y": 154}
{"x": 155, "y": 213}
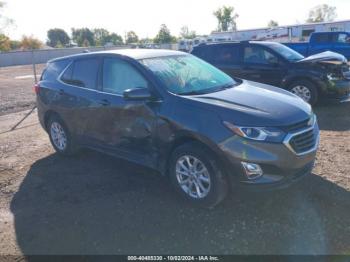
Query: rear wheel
{"x": 306, "y": 90}
{"x": 60, "y": 137}
{"x": 196, "y": 176}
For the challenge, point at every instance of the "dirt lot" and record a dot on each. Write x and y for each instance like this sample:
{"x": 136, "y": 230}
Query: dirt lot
{"x": 95, "y": 204}
{"x": 16, "y": 88}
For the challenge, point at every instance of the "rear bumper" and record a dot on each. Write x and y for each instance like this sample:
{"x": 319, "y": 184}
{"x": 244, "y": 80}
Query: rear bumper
{"x": 41, "y": 113}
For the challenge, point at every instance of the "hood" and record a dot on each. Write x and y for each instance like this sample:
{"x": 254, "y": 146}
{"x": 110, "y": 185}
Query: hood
{"x": 255, "y": 104}
{"x": 325, "y": 57}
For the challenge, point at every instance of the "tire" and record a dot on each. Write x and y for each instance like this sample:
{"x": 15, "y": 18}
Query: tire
{"x": 216, "y": 188}
{"x": 304, "y": 89}
{"x": 56, "y": 130}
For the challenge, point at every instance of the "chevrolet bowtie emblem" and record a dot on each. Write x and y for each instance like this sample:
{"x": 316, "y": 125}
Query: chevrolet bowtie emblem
{"x": 310, "y": 122}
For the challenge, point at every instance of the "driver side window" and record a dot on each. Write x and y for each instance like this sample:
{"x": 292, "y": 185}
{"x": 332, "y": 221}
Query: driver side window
{"x": 119, "y": 75}
{"x": 258, "y": 55}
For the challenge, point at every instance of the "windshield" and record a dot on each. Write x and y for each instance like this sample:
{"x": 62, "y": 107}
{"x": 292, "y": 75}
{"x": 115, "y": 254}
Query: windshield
{"x": 286, "y": 52}
{"x": 188, "y": 75}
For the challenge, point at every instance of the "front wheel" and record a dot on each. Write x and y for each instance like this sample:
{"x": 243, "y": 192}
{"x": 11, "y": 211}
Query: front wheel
{"x": 196, "y": 176}
{"x": 306, "y": 90}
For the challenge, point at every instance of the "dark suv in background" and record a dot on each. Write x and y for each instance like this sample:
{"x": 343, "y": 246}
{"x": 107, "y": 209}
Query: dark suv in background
{"x": 179, "y": 115}
{"x": 324, "y": 76}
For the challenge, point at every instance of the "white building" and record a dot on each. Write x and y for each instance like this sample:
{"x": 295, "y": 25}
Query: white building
{"x": 292, "y": 33}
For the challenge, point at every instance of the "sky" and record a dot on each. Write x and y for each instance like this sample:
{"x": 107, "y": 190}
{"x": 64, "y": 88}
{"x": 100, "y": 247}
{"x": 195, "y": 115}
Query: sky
{"x": 35, "y": 17}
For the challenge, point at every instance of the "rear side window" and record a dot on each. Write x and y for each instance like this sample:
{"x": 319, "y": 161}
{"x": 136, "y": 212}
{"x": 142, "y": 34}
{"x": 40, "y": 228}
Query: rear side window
{"x": 119, "y": 76}
{"x": 321, "y": 38}
{"x": 218, "y": 54}
{"x": 82, "y": 73}
{"x": 203, "y": 52}
{"x": 53, "y": 70}
{"x": 225, "y": 54}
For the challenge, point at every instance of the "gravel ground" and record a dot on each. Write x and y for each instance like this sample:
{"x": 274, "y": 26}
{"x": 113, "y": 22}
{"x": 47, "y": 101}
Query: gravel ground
{"x": 96, "y": 204}
{"x": 16, "y": 88}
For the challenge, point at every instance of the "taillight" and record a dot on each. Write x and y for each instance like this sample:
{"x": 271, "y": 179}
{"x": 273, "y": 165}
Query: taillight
{"x": 36, "y": 88}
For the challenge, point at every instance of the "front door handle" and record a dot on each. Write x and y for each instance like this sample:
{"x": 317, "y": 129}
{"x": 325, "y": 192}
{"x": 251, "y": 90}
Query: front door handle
{"x": 61, "y": 92}
{"x": 104, "y": 102}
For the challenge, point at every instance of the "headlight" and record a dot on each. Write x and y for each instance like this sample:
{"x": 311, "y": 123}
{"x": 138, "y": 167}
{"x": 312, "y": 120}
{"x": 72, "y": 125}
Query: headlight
{"x": 334, "y": 77}
{"x": 270, "y": 134}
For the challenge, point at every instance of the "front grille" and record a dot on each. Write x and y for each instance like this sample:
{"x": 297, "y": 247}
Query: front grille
{"x": 296, "y": 126}
{"x": 303, "y": 142}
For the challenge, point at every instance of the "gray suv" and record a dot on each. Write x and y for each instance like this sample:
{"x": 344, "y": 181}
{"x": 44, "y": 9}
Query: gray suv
{"x": 179, "y": 115}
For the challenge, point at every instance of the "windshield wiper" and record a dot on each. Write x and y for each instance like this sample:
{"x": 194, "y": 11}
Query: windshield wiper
{"x": 227, "y": 86}
{"x": 210, "y": 90}
{"x": 190, "y": 93}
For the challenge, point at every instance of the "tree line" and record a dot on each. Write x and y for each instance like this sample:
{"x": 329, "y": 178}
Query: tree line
{"x": 85, "y": 37}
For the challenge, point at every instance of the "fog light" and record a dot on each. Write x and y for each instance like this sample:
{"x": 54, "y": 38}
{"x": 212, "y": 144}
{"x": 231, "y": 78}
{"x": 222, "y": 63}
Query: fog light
{"x": 252, "y": 171}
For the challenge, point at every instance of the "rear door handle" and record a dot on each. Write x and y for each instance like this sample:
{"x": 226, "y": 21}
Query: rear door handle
{"x": 61, "y": 92}
{"x": 104, "y": 102}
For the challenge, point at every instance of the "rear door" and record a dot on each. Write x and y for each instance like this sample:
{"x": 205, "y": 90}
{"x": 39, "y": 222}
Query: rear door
{"x": 320, "y": 42}
{"x": 227, "y": 58}
{"x": 78, "y": 95}
{"x": 261, "y": 65}
{"x": 126, "y": 128}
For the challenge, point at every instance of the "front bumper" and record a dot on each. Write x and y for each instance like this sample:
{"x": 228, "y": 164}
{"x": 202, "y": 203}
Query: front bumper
{"x": 336, "y": 90}
{"x": 281, "y": 166}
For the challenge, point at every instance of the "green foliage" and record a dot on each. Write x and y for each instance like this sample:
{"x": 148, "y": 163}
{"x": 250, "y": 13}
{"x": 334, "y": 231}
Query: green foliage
{"x": 57, "y": 38}
{"x": 83, "y": 37}
{"x": 164, "y": 36}
{"x": 5, "y": 43}
{"x": 186, "y": 33}
{"x": 226, "y": 18}
{"x": 103, "y": 37}
{"x": 131, "y": 37}
{"x": 146, "y": 40}
{"x": 322, "y": 13}
{"x": 30, "y": 42}
{"x": 15, "y": 44}
{"x": 272, "y": 24}
{"x": 115, "y": 39}
{"x": 100, "y": 36}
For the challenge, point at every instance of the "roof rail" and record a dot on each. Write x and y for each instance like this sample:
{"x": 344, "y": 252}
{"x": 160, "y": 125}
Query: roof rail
{"x": 223, "y": 41}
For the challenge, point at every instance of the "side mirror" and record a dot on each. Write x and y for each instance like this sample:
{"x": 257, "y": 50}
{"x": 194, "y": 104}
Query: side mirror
{"x": 142, "y": 93}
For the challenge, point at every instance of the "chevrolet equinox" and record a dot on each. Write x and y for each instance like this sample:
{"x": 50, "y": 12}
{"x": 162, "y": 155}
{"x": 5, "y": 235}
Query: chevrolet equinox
{"x": 179, "y": 115}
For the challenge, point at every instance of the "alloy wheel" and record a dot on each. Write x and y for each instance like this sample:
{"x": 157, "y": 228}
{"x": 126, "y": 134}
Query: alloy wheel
{"x": 58, "y": 135}
{"x": 303, "y": 92}
{"x": 193, "y": 176}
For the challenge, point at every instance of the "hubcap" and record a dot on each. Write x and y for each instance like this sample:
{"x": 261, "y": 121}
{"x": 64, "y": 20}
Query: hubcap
{"x": 193, "y": 176}
{"x": 58, "y": 136}
{"x": 303, "y": 92}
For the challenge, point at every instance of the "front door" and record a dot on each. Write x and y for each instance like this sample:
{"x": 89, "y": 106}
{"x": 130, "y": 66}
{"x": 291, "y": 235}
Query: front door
{"x": 341, "y": 44}
{"x": 261, "y": 65}
{"x": 126, "y": 128}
